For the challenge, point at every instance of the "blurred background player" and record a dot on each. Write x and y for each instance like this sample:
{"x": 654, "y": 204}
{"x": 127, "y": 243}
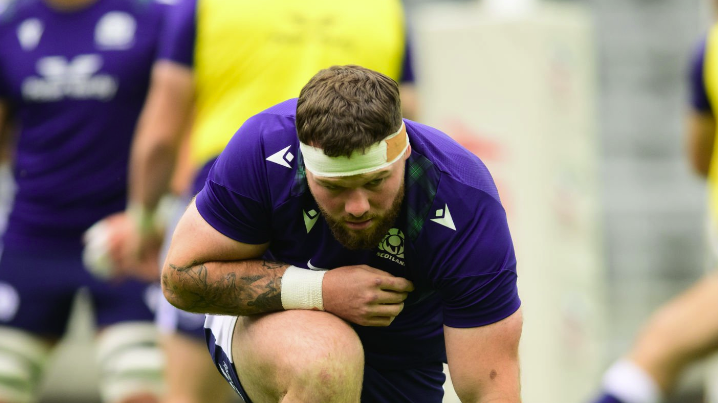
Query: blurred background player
{"x": 681, "y": 331}
{"x": 73, "y": 78}
{"x": 221, "y": 63}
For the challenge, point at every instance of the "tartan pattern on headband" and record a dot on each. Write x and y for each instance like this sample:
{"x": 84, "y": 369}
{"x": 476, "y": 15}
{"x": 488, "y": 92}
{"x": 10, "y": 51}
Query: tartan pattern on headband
{"x": 422, "y": 180}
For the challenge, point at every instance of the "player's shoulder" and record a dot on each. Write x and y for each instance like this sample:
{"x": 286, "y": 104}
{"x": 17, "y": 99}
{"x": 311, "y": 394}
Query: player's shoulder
{"x": 286, "y": 108}
{"x": 268, "y": 138}
{"x": 275, "y": 124}
{"x": 447, "y": 188}
{"x": 262, "y": 159}
{"x": 455, "y": 165}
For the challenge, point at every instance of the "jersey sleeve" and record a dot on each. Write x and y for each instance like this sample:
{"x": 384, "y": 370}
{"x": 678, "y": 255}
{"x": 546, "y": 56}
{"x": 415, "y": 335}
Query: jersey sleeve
{"x": 475, "y": 269}
{"x": 235, "y": 199}
{"x": 696, "y": 80}
{"x": 177, "y": 40}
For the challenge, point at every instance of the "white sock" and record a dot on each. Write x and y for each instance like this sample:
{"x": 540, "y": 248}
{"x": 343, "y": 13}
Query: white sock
{"x": 628, "y": 382}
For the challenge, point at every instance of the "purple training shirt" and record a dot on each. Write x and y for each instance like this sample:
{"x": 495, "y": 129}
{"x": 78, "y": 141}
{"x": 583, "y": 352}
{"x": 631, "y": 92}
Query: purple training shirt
{"x": 451, "y": 238}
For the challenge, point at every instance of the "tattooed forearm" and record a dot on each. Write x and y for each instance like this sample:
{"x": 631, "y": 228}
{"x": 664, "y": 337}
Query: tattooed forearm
{"x": 233, "y": 288}
{"x": 271, "y": 265}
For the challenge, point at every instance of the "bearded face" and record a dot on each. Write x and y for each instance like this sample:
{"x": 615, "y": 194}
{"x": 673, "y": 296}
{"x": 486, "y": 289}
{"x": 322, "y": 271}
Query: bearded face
{"x": 360, "y": 209}
{"x": 368, "y": 238}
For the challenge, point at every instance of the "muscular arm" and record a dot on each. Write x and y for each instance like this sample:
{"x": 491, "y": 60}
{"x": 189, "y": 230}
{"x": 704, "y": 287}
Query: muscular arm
{"x": 483, "y": 361}
{"x": 209, "y": 273}
{"x": 700, "y": 135}
{"x": 160, "y": 131}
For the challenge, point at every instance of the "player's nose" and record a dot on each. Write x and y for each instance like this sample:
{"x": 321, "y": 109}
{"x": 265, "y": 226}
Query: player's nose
{"x": 356, "y": 203}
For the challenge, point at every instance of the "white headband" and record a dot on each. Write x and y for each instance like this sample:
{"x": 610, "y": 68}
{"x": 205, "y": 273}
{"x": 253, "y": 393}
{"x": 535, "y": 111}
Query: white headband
{"x": 379, "y": 155}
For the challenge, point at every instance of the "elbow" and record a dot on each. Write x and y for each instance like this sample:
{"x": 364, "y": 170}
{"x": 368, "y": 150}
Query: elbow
{"x": 173, "y": 291}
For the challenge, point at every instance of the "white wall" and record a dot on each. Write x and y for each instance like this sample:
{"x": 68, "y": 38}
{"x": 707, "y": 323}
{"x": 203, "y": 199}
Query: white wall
{"x": 518, "y": 89}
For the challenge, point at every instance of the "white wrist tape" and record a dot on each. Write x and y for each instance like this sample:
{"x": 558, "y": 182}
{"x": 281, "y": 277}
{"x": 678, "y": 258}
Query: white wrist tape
{"x": 302, "y": 289}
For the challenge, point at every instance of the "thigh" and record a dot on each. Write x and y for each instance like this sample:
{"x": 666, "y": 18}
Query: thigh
{"x": 296, "y": 353}
{"x": 37, "y": 290}
{"x": 421, "y": 384}
{"x": 242, "y": 350}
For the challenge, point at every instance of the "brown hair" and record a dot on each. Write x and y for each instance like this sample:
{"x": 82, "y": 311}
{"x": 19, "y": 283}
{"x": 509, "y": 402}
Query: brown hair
{"x": 347, "y": 108}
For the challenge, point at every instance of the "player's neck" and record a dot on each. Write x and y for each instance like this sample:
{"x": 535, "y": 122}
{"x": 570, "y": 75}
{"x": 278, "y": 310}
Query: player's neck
{"x": 69, "y": 5}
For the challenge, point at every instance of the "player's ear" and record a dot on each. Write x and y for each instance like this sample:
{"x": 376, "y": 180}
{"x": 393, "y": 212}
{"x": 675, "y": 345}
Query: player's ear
{"x": 407, "y": 153}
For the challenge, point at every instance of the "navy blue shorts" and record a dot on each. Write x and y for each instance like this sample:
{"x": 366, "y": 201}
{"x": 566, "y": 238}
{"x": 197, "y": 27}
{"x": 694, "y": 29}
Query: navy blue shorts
{"x": 37, "y": 289}
{"x": 415, "y": 385}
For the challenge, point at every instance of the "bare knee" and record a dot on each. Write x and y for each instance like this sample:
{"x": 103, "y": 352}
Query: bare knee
{"x": 329, "y": 374}
{"x": 298, "y": 356}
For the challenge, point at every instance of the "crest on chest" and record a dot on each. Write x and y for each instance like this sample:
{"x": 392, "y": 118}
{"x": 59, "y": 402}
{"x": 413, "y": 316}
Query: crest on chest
{"x": 392, "y": 246}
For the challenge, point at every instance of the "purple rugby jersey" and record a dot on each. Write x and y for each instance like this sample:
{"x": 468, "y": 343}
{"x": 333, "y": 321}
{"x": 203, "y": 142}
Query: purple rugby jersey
{"x": 75, "y": 83}
{"x": 451, "y": 238}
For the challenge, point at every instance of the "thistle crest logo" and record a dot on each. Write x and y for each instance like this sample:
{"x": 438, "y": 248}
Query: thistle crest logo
{"x": 392, "y": 246}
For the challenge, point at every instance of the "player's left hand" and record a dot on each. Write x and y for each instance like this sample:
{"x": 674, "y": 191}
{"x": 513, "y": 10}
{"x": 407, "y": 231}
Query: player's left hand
{"x": 364, "y": 295}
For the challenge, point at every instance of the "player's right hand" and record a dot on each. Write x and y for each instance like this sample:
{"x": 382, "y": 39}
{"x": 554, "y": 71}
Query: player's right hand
{"x": 364, "y": 295}
{"x": 105, "y": 254}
